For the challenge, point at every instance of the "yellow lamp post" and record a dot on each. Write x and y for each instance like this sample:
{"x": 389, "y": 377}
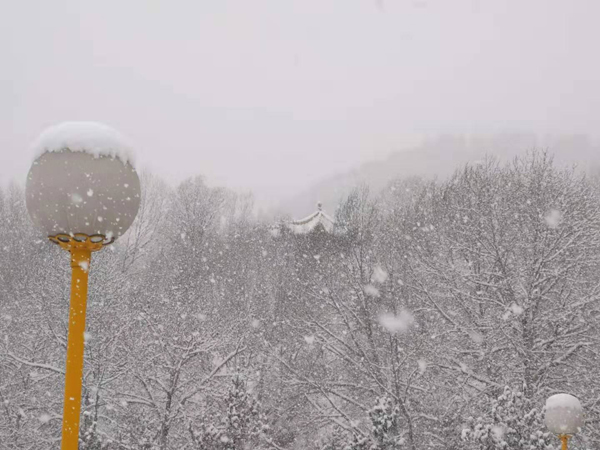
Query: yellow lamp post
{"x": 83, "y": 193}
{"x": 563, "y": 417}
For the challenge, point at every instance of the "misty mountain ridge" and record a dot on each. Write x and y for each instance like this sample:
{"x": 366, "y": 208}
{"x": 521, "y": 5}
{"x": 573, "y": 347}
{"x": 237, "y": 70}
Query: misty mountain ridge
{"x": 440, "y": 158}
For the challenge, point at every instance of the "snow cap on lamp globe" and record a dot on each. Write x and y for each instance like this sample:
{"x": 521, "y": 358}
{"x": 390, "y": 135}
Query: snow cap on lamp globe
{"x": 82, "y": 181}
{"x": 564, "y": 414}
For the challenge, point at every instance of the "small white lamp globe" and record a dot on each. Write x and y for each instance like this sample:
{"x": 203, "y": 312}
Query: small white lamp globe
{"x": 82, "y": 182}
{"x": 564, "y": 414}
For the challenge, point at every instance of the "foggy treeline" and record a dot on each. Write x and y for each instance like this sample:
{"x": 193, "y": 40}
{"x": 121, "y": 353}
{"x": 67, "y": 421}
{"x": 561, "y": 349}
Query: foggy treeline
{"x": 436, "y": 315}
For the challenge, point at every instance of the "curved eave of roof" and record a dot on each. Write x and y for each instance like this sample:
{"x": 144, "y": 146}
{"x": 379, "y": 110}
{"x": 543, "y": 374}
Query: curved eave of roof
{"x": 309, "y": 223}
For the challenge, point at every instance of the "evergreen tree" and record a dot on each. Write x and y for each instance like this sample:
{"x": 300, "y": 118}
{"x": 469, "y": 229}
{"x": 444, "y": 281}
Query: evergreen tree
{"x": 242, "y": 427}
{"x": 385, "y": 428}
{"x": 513, "y": 423}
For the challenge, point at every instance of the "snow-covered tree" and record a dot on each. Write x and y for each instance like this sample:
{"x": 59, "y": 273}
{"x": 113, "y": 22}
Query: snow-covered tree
{"x": 431, "y": 296}
{"x": 241, "y": 427}
{"x": 513, "y": 422}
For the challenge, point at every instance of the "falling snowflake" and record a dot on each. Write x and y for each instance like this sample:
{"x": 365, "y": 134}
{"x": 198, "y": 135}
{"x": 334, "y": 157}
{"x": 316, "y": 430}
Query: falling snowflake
{"x": 397, "y": 323}
{"x": 516, "y": 309}
{"x": 379, "y": 275}
{"x": 553, "y": 218}
{"x": 371, "y": 290}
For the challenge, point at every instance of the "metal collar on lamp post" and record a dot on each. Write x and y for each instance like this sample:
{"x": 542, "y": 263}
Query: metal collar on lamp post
{"x": 563, "y": 417}
{"x": 83, "y": 193}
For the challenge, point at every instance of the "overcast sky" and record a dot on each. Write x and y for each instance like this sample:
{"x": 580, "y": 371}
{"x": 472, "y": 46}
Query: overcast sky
{"x": 274, "y": 94}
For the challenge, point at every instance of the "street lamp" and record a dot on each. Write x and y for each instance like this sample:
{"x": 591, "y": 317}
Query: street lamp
{"x": 83, "y": 193}
{"x": 564, "y": 416}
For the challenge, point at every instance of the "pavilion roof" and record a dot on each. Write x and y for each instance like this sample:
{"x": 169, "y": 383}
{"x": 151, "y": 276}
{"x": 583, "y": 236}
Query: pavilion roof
{"x": 312, "y": 222}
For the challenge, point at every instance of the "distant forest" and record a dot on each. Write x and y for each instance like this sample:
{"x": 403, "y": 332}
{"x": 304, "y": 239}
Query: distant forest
{"x": 439, "y": 157}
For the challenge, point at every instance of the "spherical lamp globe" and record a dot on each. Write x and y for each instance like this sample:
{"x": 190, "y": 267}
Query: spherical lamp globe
{"x": 82, "y": 183}
{"x": 564, "y": 414}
